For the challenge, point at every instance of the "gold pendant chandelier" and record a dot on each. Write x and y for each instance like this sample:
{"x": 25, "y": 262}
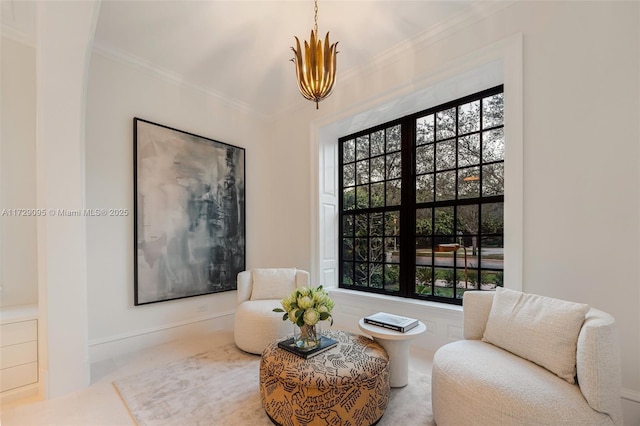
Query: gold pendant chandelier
{"x": 316, "y": 71}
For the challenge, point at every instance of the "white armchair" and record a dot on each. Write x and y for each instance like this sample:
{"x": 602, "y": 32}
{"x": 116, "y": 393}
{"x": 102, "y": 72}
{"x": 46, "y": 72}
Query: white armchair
{"x": 259, "y": 292}
{"x": 528, "y": 360}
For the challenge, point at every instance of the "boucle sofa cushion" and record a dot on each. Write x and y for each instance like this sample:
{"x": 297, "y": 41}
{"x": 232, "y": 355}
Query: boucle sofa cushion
{"x": 541, "y": 329}
{"x": 273, "y": 283}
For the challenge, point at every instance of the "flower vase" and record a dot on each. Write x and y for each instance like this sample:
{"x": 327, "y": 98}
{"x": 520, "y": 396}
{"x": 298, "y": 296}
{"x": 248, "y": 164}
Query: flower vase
{"x": 307, "y": 336}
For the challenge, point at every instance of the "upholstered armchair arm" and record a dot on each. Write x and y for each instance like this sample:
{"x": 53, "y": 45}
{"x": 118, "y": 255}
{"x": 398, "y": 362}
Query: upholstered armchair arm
{"x": 302, "y": 278}
{"x": 476, "y": 306}
{"x": 244, "y": 287}
{"x": 598, "y": 364}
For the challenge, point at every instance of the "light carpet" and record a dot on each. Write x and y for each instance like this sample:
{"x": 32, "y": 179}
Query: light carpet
{"x": 220, "y": 387}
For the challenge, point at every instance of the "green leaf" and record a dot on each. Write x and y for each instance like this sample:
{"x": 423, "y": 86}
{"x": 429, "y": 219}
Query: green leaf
{"x": 278, "y": 310}
{"x": 324, "y": 316}
{"x": 300, "y": 322}
{"x": 285, "y": 317}
{"x": 299, "y": 313}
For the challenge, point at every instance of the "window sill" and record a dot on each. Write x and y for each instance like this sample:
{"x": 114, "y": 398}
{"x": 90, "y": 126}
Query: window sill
{"x": 399, "y": 303}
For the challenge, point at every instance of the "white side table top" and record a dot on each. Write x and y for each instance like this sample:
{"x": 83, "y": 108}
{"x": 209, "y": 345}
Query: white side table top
{"x": 387, "y": 334}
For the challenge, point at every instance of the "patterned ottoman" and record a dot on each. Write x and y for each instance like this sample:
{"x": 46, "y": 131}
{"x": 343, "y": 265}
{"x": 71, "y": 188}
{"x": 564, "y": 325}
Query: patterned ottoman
{"x": 345, "y": 385}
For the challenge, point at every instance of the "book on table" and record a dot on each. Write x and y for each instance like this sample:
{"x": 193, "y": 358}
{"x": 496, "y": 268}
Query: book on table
{"x": 391, "y": 321}
{"x": 326, "y": 343}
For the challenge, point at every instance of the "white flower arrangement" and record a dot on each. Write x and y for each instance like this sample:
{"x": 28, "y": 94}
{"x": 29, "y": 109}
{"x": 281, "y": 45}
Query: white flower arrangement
{"x": 307, "y": 306}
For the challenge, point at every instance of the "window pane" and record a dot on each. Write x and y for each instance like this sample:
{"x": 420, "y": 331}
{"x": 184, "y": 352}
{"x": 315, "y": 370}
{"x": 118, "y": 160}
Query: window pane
{"x": 444, "y": 279}
{"x": 471, "y": 255}
{"x": 394, "y": 169}
{"x": 469, "y": 117}
{"x": 425, "y": 129}
{"x": 391, "y": 277}
{"x": 424, "y": 188}
{"x": 377, "y": 194}
{"x": 493, "y": 218}
{"x": 424, "y": 250}
{"x": 423, "y": 222}
{"x": 394, "y": 190}
{"x": 446, "y": 155}
{"x": 349, "y": 151}
{"x": 347, "y": 248}
{"x": 493, "y": 179}
{"x": 362, "y": 274}
{"x": 469, "y": 182}
{"x": 349, "y": 175}
{"x": 392, "y": 250}
{"x": 472, "y": 278}
{"x": 349, "y": 199}
{"x": 392, "y": 223}
{"x": 446, "y": 186}
{"x": 362, "y": 193}
{"x": 347, "y": 225}
{"x": 446, "y": 124}
{"x": 468, "y": 220}
{"x": 376, "y": 250}
{"x": 424, "y": 159}
{"x": 362, "y": 249}
{"x": 493, "y": 145}
{"x": 393, "y": 138}
{"x": 492, "y": 253}
{"x": 444, "y": 221}
{"x": 493, "y": 110}
{"x": 362, "y": 223}
{"x": 377, "y": 143}
{"x": 362, "y": 172}
{"x": 489, "y": 280}
{"x": 423, "y": 280}
{"x": 469, "y": 150}
{"x": 375, "y": 224}
{"x": 362, "y": 147}
{"x": 376, "y": 279}
{"x": 377, "y": 169}
{"x": 347, "y": 273}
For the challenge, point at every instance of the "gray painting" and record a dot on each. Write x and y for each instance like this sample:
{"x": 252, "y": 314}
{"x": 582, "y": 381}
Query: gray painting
{"x": 189, "y": 212}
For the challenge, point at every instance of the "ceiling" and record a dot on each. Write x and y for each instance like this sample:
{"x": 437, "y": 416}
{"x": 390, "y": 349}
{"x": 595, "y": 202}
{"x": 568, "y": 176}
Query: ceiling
{"x": 240, "y": 50}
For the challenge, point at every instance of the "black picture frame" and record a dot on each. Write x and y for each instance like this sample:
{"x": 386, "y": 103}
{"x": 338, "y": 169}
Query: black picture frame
{"x": 189, "y": 212}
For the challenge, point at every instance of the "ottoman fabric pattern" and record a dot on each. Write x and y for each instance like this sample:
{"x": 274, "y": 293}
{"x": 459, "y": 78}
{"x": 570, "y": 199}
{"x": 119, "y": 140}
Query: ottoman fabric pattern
{"x": 346, "y": 385}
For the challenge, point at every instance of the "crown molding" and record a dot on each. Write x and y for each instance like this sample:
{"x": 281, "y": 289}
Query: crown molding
{"x": 18, "y": 36}
{"x": 171, "y": 77}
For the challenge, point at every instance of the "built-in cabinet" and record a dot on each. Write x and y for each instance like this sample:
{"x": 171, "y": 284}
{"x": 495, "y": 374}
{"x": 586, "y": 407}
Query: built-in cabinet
{"x": 18, "y": 351}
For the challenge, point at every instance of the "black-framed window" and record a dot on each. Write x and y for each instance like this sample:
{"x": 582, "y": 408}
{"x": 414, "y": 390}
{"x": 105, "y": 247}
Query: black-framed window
{"x": 422, "y": 201}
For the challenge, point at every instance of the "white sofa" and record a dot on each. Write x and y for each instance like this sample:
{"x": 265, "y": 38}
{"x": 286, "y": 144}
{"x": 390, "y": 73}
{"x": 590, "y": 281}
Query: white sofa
{"x": 259, "y": 292}
{"x": 475, "y": 382}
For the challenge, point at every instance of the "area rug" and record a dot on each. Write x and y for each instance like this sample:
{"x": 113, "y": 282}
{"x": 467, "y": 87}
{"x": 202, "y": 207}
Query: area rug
{"x": 220, "y": 387}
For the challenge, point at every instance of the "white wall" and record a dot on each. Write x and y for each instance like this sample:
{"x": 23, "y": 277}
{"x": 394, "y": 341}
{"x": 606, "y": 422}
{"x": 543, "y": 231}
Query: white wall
{"x": 119, "y": 91}
{"x": 18, "y": 255}
{"x": 581, "y": 162}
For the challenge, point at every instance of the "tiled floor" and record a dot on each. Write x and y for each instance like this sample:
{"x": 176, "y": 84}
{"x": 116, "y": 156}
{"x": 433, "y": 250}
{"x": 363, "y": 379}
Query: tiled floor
{"x": 100, "y": 404}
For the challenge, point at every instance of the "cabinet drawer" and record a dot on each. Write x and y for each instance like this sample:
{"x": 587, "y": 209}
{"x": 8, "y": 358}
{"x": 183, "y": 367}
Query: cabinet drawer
{"x": 18, "y": 332}
{"x": 22, "y": 375}
{"x": 22, "y": 353}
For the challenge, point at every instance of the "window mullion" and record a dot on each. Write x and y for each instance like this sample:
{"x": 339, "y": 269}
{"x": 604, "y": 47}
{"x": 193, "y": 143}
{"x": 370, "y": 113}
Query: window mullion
{"x": 407, "y": 210}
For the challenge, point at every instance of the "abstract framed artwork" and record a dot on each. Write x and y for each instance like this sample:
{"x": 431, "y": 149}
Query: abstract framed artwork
{"x": 189, "y": 210}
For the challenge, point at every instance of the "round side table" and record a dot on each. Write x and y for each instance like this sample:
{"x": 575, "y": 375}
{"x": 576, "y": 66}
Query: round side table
{"x": 397, "y": 346}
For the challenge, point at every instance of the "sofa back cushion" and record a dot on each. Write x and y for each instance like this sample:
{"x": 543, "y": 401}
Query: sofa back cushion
{"x": 541, "y": 329}
{"x": 272, "y": 283}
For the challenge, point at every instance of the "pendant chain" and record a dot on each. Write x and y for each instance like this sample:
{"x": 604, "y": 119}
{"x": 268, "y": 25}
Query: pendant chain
{"x": 315, "y": 9}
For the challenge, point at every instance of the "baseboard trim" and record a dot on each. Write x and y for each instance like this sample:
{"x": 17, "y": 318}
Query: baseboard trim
{"x": 630, "y": 395}
{"x": 119, "y": 344}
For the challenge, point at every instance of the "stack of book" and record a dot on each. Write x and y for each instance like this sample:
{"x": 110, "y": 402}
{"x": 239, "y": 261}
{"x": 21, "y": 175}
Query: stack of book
{"x": 391, "y": 321}
{"x": 325, "y": 344}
